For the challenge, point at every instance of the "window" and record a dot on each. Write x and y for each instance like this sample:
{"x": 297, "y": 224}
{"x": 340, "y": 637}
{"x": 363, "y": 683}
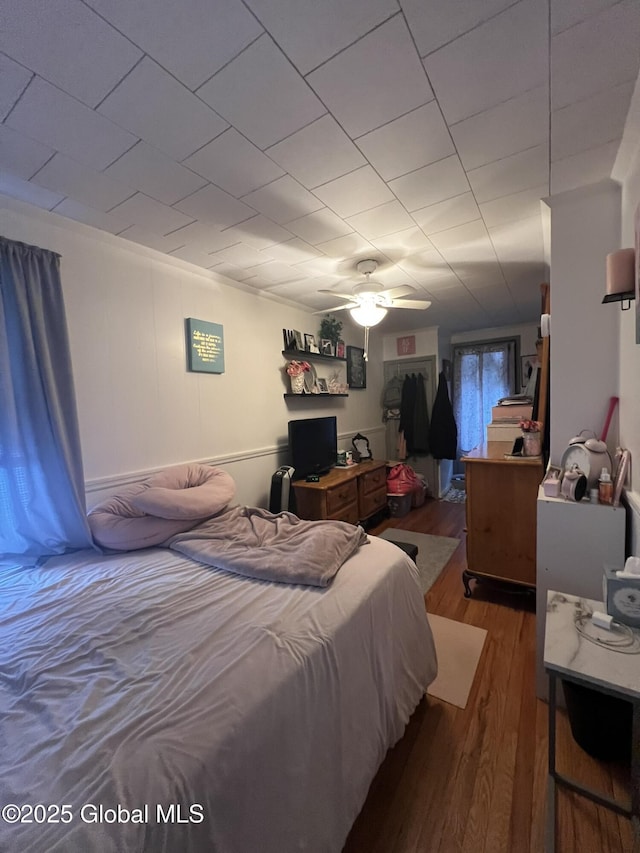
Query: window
{"x": 483, "y": 372}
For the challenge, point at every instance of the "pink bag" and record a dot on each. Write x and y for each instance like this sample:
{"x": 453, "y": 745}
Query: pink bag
{"x": 401, "y": 480}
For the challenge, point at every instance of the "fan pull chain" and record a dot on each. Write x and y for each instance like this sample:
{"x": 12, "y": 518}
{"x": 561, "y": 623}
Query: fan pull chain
{"x": 366, "y": 343}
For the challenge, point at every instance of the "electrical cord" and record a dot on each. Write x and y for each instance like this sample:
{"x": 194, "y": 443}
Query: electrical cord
{"x": 628, "y": 643}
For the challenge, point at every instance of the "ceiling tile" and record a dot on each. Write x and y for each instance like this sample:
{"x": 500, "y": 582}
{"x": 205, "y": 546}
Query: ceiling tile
{"x": 479, "y": 275}
{"x": 67, "y": 44}
{"x": 594, "y": 121}
{"x": 355, "y": 192}
{"x": 350, "y": 246}
{"x": 584, "y": 168}
{"x": 512, "y": 126}
{"x": 60, "y": 121}
{"x": 380, "y": 221}
{"x": 319, "y": 226}
{"x": 500, "y": 59}
{"x": 431, "y": 184}
{"x": 234, "y": 164}
{"x": 403, "y": 243}
{"x": 84, "y": 185}
{"x": 185, "y": 38}
{"x": 274, "y": 272}
{"x": 293, "y": 251}
{"x": 310, "y": 33}
{"x": 260, "y": 232}
{"x": 518, "y": 172}
{"x": 596, "y": 54}
{"x": 317, "y": 153}
{"x": 153, "y": 173}
{"x": 95, "y": 218}
{"x": 323, "y": 267}
{"x": 204, "y": 236}
{"x": 21, "y": 155}
{"x": 215, "y": 206}
{"x": 283, "y": 200}
{"x": 434, "y": 23}
{"x": 447, "y": 214}
{"x": 232, "y": 271}
{"x": 152, "y": 104}
{"x": 508, "y": 208}
{"x": 26, "y": 191}
{"x": 469, "y": 242}
{"x": 241, "y": 255}
{"x": 567, "y": 13}
{"x": 14, "y": 81}
{"x": 194, "y": 256}
{"x": 137, "y": 234}
{"x": 377, "y": 79}
{"x": 409, "y": 142}
{"x": 262, "y": 95}
{"x": 145, "y": 211}
{"x": 519, "y": 241}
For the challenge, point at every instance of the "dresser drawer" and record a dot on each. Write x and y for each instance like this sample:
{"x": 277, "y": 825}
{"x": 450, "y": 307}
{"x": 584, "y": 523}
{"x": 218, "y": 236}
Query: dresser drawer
{"x": 374, "y": 481}
{"x": 372, "y": 503}
{"x": 347, "y": 513}
{"x": 340, "y": 496}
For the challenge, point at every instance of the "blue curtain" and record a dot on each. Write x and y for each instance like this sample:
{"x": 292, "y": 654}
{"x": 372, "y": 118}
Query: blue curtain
{"x": 41, "y": 478}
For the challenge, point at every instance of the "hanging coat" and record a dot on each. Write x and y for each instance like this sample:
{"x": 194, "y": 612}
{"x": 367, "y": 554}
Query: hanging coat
{"x": 407, "y": 406}
{"x": 443, "y": 434}
{"x": 420, "y": 419}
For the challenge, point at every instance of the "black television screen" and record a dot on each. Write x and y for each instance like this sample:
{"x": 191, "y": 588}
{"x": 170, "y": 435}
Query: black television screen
{"x": 313, "y": 445}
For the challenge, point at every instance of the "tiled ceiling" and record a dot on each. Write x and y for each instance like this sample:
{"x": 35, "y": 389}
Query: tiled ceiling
{"x": 278, "y": 142}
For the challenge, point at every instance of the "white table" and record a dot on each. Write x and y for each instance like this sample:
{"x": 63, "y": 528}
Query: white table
{"x": 570, "y": 656}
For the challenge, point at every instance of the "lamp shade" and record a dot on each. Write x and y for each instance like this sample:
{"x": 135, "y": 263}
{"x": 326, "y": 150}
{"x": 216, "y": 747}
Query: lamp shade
{"x": 368, "y": 314}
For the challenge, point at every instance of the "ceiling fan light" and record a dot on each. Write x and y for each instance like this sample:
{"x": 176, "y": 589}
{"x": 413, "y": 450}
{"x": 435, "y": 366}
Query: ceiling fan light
{"x": 368, "y": 315}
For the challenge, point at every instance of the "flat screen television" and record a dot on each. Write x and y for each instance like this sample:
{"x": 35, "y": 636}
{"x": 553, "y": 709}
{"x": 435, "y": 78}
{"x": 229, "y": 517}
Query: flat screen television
{"x": 313, "y": 445}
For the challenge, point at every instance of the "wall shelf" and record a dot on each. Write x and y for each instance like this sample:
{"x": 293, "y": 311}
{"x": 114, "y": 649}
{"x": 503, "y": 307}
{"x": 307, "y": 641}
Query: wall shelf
{"x": 301, "y": 355}
{"x": 315, "y": 396}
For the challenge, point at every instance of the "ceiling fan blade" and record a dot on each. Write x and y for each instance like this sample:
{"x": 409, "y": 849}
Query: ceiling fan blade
{"x": 336, "y": 308}
{"x": 396, "y": 292}
{"x": 335, "y": 293}
{"x": 411, "y": 303}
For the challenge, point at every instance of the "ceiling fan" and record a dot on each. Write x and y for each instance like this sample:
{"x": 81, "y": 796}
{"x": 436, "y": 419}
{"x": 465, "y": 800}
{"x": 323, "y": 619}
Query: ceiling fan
{"x": 368, "y": 302}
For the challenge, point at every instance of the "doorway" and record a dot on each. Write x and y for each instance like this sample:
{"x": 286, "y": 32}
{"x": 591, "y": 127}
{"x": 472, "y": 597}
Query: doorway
{"x": 425, "y": 465}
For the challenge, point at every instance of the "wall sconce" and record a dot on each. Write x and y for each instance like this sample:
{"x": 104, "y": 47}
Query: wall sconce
{"x": 621, "y": 278}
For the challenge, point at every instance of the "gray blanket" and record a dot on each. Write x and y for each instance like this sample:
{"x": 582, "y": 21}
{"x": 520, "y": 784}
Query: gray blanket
{"x": 276, "y": 547}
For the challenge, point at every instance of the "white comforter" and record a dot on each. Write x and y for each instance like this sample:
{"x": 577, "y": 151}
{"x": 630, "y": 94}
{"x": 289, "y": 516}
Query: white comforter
{"x": 262, "y": 711}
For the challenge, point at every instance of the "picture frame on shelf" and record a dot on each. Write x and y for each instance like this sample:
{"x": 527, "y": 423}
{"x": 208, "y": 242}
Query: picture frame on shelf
{"x": 323, "y": 388}
{"x": 340, "y": 349}
{"x": 356, "y": 368}
{"x": 327, "y": 347}
{"x": 298, "y": 339}
{"x": 289, "y": 339}
{"x": 310, "y": 344}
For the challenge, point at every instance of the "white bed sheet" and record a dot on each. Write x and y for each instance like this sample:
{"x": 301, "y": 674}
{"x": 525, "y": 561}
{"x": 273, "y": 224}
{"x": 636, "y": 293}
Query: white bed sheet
{"x": 144, "y": 679}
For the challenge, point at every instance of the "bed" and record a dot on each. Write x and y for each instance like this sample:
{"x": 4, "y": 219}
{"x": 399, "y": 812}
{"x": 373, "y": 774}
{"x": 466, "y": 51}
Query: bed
{"x": 169, "y": 705}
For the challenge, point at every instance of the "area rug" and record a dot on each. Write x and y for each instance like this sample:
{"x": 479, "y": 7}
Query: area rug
{"x": 433, "y": 552}
{"x": 458, "y": 647}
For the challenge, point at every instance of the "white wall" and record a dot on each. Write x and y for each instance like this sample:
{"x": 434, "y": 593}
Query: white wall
{"x": 629, "y": 351}
{"x": 138, "y": 406}
{"x": 585, "y": 227}
{"x": 426, "y": 343}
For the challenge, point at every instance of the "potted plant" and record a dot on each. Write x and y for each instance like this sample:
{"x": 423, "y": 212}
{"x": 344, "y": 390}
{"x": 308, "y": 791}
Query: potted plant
{"x": 296, "y": 371}
{"x": 330, "y": 330}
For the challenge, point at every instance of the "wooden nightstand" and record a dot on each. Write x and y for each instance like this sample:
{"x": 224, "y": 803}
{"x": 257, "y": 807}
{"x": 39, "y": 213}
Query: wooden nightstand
{"x": 351, "y": 494}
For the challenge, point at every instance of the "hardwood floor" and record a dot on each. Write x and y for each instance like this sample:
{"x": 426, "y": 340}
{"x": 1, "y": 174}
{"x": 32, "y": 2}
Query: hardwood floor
{"x": 475, "y": 779}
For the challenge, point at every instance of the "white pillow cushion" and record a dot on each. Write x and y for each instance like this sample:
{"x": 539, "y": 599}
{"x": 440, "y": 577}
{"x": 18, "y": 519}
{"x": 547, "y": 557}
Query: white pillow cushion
{"x": 116, "y": 523}
{"x": 190, "y": 491}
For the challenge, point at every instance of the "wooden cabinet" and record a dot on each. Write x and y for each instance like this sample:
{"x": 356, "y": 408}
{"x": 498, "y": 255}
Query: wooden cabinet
{"x": 501, "y": 515}
{"x": 345, "y": 494}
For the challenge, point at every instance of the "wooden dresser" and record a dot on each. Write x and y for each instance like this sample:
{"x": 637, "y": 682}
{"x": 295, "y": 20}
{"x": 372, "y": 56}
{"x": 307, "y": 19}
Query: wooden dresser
{"x": 501, "y": 515}
{"x": 346, "y": 494}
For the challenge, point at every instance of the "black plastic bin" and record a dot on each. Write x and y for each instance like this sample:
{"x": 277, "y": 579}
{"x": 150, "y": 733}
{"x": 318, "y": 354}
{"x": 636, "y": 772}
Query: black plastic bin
{"x": 600, "y": 724}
